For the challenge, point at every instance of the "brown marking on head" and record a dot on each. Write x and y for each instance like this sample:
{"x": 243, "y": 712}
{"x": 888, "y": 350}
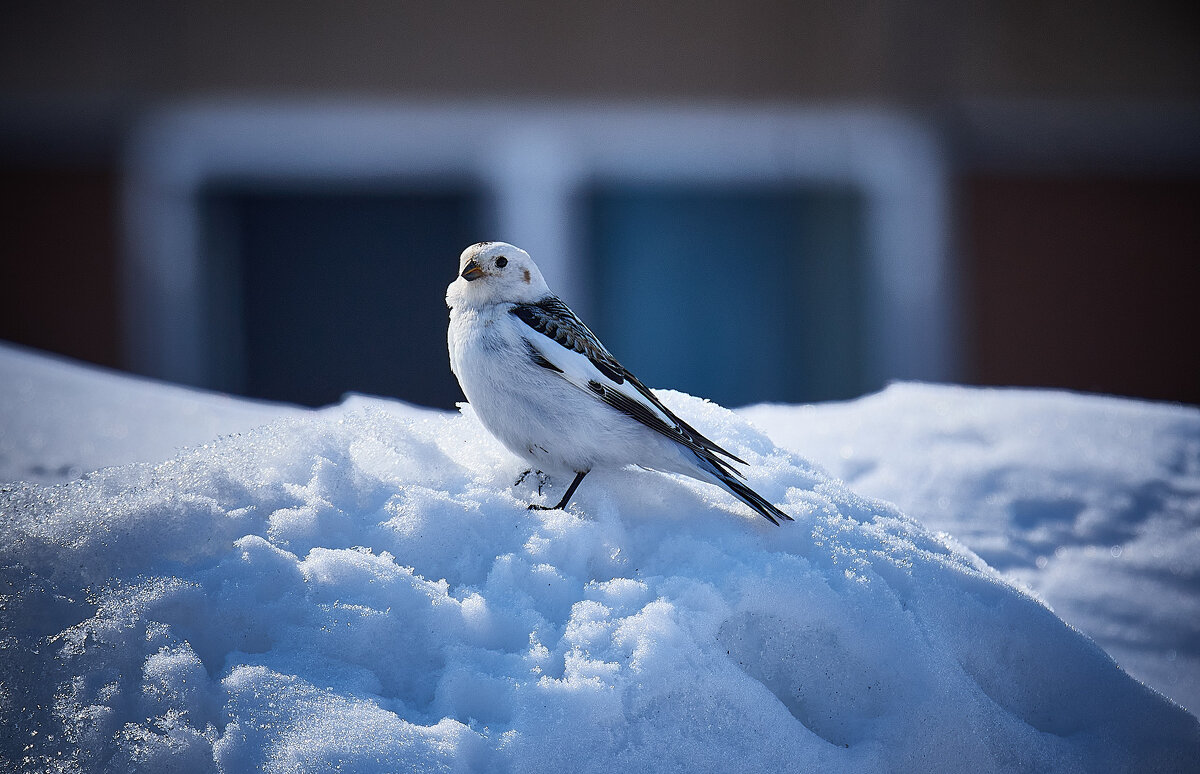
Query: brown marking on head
{"x": 525, "y": 274}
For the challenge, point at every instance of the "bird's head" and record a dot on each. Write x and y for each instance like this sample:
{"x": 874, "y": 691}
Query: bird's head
{"x": 495, "y": 272}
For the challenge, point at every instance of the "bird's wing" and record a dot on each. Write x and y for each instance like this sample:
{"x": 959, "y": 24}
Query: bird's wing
{"x": 559, "y": 341}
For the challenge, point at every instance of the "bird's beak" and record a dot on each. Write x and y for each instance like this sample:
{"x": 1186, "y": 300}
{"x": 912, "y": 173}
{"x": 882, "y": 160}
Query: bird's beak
{"x": 473, "y": 271}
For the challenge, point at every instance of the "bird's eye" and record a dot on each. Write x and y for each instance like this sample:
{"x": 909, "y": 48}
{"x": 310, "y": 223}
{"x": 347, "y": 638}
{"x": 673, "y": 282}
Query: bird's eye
{"x": 501, "y": 262}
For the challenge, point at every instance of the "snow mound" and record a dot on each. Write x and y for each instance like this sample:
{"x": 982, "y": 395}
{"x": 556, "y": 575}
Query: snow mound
{"x": 1093, "y": 502}
{"x": 61, "y": 418}
{"x": 362, "y": 589}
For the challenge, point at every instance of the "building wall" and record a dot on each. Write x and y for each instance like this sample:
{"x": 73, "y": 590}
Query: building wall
{"x": 1072, "y": 129}
{"x": 888, "y": 50}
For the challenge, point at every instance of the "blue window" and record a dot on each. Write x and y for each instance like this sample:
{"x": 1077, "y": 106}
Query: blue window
{"x": 324, "y": 292}
{"x": 737, "y": 293}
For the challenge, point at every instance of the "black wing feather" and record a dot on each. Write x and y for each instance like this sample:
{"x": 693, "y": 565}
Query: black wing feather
{"x": 678, "y": 432}
{"x": 555, "y": 320}
{"x": 727, "y": 475}
{"x": 552, "y": 318}
{"x": 538, "y": 359}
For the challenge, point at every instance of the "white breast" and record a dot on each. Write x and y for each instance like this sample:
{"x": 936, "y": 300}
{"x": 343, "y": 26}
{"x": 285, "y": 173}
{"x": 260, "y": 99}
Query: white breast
{"x": 532, "y": 410}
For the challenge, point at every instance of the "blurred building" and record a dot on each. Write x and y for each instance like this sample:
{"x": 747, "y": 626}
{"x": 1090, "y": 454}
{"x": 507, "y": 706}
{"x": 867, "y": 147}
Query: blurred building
{"x": 749, "y": 201}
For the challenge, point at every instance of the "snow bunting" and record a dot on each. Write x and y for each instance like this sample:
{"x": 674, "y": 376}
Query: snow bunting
{"x": 544, "y": 385}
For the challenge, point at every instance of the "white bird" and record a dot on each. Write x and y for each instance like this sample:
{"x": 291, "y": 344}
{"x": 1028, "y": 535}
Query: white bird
{"x": 545, "y": 387}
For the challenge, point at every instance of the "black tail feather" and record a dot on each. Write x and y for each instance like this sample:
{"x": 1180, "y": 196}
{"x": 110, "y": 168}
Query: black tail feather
{"x": 753, "y": 499}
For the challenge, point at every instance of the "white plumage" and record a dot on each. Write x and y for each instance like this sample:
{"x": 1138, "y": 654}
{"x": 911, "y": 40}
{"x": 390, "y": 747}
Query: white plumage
{"x": 545, "y": 386}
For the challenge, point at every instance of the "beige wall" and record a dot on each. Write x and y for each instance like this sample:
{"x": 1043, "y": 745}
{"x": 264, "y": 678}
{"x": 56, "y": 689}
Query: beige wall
{"x": 890, "y": 50}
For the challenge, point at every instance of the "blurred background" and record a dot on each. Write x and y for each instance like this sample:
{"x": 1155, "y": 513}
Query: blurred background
{"x": 754, "y": 201}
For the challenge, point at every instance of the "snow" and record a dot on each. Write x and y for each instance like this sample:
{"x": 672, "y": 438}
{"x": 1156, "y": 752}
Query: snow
{"x": 1091, "y": 502}
{"x": 59, "y": 420}
{"x": 361, "y": 588}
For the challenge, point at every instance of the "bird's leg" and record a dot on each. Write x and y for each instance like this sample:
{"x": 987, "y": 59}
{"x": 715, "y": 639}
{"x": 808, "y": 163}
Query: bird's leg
{"x": 565, "y": 498}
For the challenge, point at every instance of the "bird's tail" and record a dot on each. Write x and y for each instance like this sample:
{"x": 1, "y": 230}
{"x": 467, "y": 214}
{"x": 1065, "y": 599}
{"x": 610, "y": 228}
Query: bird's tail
{"x": 729, "y": 480}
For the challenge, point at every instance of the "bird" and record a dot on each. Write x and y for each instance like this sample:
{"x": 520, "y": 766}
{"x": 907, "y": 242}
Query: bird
{"x": 545, "y": 386}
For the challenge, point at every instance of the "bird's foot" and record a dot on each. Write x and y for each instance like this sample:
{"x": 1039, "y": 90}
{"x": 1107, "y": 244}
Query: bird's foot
{"x": 561, "y": 504}
{"x": 541, "y": 478}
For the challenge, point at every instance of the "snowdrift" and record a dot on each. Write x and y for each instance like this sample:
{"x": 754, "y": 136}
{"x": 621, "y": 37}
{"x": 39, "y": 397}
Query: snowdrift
{"x": 362, "y": 589}
{"x": 1092, "y": 502}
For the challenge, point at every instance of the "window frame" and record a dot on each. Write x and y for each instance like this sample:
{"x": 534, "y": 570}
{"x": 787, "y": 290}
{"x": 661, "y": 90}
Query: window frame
{"x": 530, "y": 161}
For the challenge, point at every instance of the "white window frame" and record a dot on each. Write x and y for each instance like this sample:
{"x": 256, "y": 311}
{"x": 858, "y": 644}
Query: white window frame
{"x": 531, "y": 160}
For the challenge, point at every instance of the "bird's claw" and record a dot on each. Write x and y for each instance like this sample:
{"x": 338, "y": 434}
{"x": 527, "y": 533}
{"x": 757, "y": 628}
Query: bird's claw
{"x": 541, "y": 478}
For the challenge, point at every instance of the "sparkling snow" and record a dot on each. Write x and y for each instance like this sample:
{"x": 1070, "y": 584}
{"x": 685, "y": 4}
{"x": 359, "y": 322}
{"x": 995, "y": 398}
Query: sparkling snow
{"x": 1092, "y": 502}
{"x": 362, "y": 589}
